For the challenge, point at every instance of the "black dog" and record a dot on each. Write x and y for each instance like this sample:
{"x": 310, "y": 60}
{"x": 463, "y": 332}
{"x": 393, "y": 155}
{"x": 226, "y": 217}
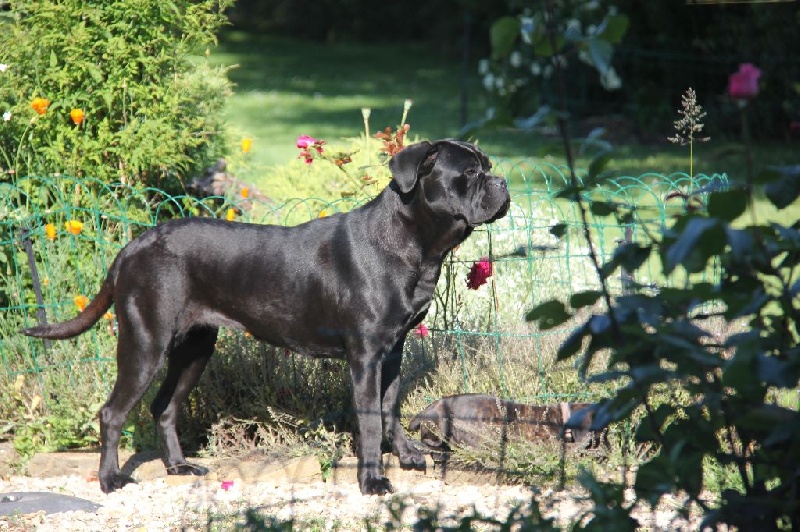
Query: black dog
{"x": 475, "y": 419}
{"x": 346, "y": 286}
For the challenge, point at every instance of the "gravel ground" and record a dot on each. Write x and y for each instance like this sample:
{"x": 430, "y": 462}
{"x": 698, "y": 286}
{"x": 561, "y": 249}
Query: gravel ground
{"x": 156, "y": 505}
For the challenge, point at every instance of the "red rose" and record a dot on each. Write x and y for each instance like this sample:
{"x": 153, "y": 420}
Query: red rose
{"x": 479, "y": 273}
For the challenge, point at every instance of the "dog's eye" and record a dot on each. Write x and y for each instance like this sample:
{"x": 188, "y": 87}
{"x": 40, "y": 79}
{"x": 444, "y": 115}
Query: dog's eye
{"x": 471, "y": 172}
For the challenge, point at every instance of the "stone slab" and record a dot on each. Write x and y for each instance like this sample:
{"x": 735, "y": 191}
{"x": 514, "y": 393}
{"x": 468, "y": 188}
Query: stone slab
{"x": 28, "y": 502}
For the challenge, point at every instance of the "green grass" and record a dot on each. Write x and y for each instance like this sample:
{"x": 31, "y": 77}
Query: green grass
{"x": 285, "y": 88}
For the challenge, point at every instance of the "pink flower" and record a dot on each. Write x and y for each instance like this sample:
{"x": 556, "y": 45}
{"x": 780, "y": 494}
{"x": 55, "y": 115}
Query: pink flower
{"x": 227, "y": 484}
{"x": 421, "y": 331}
{"x": 304, "y": 142}
{"x": 743, "y": 85}
{"x": 480, "y": 272}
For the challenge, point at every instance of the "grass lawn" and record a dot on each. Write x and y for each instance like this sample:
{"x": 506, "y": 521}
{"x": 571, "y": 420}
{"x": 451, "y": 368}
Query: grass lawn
{"x": 285, "y": 88}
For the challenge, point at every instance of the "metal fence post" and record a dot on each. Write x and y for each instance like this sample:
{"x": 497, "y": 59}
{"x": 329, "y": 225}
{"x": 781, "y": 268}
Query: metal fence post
{"x": 41, "y": 314}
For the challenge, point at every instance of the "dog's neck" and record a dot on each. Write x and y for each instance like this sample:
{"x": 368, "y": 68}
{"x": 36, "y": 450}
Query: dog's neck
{"x": 410, "y": 211}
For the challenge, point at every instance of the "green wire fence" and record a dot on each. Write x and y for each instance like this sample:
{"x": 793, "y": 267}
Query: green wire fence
{"x": 59, "y": 235}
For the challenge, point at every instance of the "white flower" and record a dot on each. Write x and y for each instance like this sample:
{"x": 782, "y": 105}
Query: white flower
{"x": 536, "y": 68}
{"x": 526, "y": 29}
{"x": 610, "y": 80}
{"x": 483, "y": 67}
{"x": 488, "y": 81}
{"x": 515, "y": 59}
{"x": 3, "y": 67}
{"x": 574, "y": 26}
{"x": 7, "y": 116}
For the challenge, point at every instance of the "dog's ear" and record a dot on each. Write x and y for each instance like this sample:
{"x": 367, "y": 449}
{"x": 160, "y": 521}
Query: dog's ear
{"x": 406, "y": 163}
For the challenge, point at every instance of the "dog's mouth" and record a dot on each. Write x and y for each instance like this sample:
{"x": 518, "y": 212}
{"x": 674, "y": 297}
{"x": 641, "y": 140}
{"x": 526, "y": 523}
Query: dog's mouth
{"x": 502, "y": 211}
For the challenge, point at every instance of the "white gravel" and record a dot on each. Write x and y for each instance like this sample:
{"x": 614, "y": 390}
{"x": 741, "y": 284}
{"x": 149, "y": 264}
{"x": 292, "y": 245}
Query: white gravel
{"x": 155, "y": 505}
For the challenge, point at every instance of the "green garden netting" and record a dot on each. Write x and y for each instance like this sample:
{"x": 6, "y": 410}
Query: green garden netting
{"x": 59, "y": 235}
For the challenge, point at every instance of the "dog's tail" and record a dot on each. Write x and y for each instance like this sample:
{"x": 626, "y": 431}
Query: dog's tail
{"x": 80, "y": 323}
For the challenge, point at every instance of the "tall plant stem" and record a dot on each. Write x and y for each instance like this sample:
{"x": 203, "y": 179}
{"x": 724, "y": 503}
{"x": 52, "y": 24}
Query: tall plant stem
{"x": 563, "y": 129}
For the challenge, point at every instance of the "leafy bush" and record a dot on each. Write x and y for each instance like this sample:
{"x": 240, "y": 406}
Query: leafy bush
{"x": 110, "y": 89}
{"x": 726, "y": 351}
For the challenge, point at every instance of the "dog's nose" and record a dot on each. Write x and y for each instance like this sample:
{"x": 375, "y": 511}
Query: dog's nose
{"x": 496, "y": 181}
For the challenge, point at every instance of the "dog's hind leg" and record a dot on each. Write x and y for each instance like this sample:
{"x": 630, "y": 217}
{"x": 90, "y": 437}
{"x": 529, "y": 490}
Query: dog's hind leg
{"x": 139, "y": 356}
{"x": 185, "y": 364}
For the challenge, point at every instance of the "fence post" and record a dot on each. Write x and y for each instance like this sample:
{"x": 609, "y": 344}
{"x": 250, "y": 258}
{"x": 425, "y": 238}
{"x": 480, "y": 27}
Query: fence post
{"x": 626, "y": 279}
{"x": 41, "y": 314}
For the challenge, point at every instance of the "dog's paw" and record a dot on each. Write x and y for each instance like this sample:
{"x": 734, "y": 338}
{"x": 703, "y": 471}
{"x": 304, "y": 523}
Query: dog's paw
{"x": 187, "y": 469}
{"x": 375, "y": 485}
{"x": 113, "y": 482}
{"x": 411, "y": 455}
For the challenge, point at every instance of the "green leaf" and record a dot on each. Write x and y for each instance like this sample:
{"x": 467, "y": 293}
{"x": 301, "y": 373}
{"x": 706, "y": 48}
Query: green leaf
{"x": 543, "y": 47}
{"x": 630, "y": 256}
{"x": 727, "y": 204}
{"x": 700, "y": 238}
{"x": 600, "y": 52}
{"x": 598, "y": 164}
{"x": 616, "y": 26}
{"x": 602, "y": 208}
{"x": 654, "y": 479}
{"x": 572, "y": 344}
{"x": 585, "y": 299}
{"x": 53, "y": 59}
{"x": 503, "y": 36}
{"x": 549, "y": 314}
{"x": 558, "y": 230}
{"x": 783, "y": 191}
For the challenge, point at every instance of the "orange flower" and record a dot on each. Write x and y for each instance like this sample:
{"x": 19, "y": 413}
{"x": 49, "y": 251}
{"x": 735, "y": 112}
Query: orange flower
{"x": 230, "y": 214}
{"x": 81, "y": 302}
{"x": 108, "y": 316}
{"x": 322, "y": 214}
{"x": 247, "y": 143}
{"x": 77, "y": 116}
{"x": 40, "y": 105}
{"x": 50, "y": 231}
{"x": 245, "y": 192}
{"x": 74, "y": 227}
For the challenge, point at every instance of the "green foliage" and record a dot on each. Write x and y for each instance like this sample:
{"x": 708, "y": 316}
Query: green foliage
{"x": 151, "y": 113}
{"x": 41, "y": 424}
{"x": 526, "y": 49}
{"x": 728, "y": 348}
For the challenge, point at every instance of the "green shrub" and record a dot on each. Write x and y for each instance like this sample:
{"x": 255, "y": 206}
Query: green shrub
{"x": 110, "y": 89}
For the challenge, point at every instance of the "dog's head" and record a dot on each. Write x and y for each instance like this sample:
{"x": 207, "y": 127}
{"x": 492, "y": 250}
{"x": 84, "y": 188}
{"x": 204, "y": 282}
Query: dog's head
{"x": 454, "y": 178}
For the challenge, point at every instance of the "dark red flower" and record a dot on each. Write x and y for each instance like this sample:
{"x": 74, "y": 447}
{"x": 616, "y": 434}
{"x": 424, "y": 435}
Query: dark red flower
{"x": 479, "y": 274}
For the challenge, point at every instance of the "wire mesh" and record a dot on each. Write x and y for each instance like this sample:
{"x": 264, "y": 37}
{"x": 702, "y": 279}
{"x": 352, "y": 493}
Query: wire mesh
{"x": 59, "y": 235}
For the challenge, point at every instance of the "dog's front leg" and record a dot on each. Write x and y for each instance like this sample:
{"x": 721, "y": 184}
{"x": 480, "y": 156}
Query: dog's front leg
{"x": 410, "y": 456}
{"x": 365, "y": 372}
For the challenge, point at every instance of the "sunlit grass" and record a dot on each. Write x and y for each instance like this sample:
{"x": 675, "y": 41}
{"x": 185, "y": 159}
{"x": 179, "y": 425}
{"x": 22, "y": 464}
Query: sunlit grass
{"x": 286, "y": 88}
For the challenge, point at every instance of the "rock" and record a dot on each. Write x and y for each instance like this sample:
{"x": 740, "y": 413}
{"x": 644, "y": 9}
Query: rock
{"x": 8, "y": 457}
{"x": 28, "y": 502}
